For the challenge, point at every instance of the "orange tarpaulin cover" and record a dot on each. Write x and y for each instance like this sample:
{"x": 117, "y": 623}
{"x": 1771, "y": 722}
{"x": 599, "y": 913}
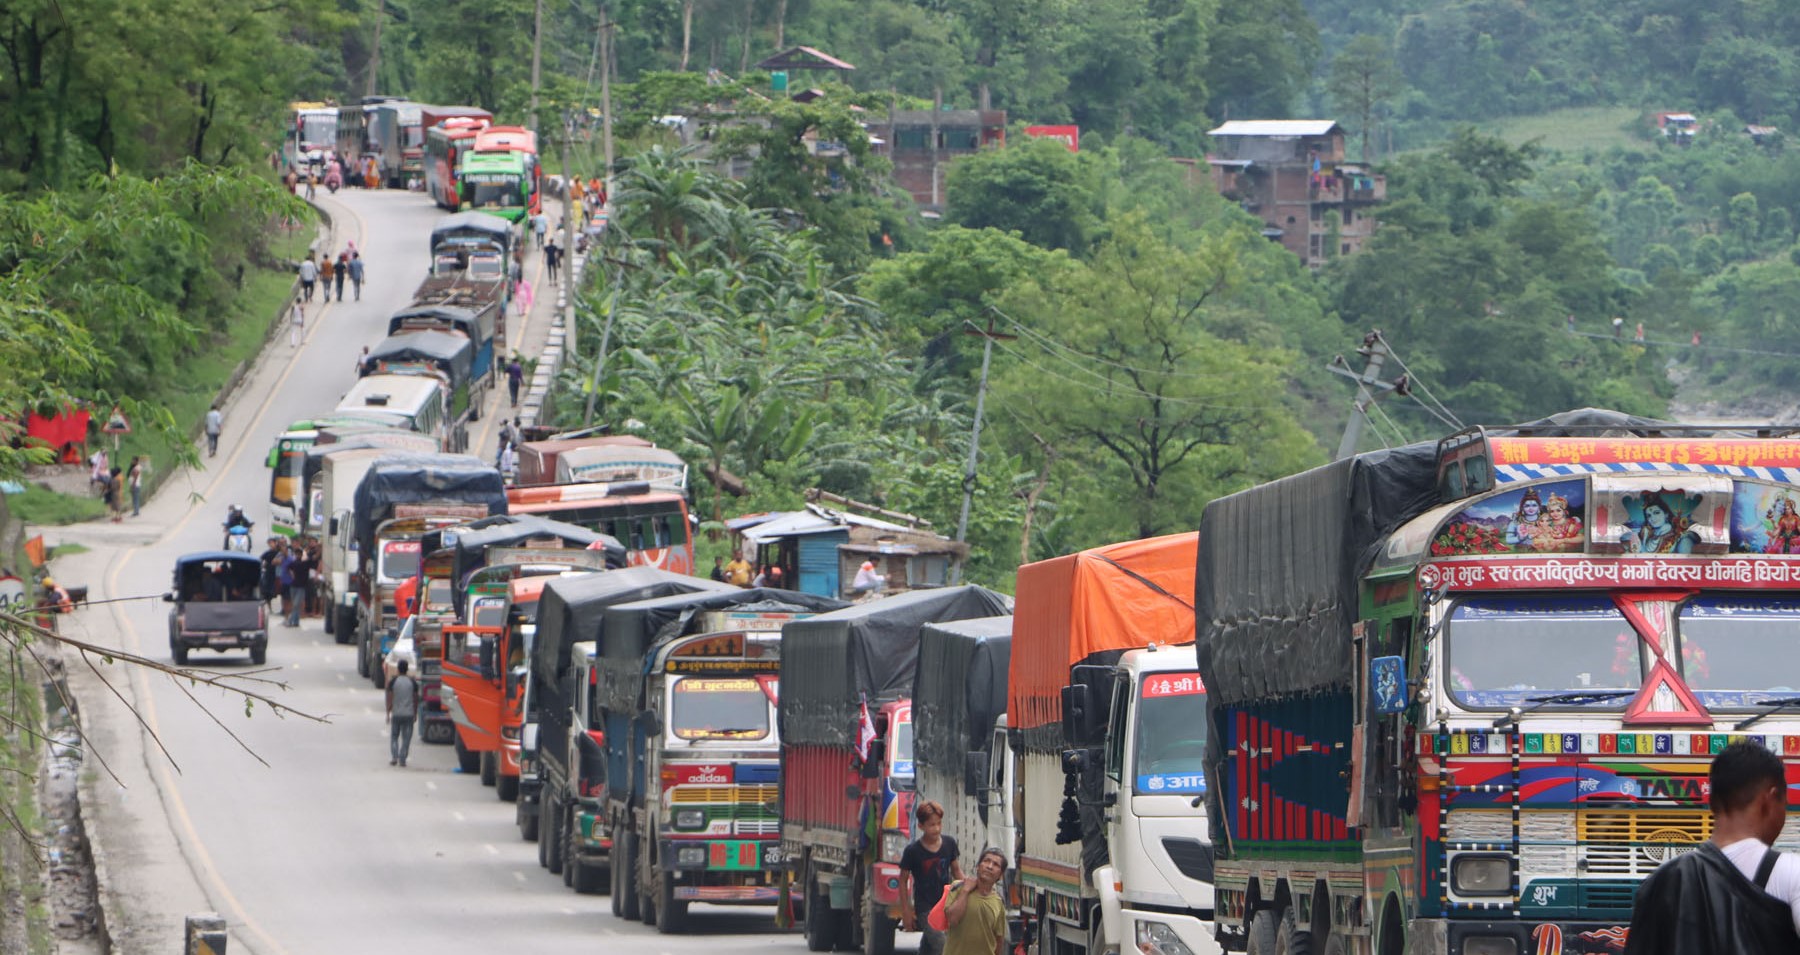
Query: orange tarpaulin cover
{"x": 1117, "y": 597}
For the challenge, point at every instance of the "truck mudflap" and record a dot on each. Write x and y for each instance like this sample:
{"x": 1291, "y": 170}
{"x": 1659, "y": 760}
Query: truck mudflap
{"x": 1530, "y": 938}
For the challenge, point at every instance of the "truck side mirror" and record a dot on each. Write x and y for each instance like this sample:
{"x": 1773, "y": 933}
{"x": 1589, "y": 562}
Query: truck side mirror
{"x": 487, "y": 657}
{"x": 169, "y": 597}
{"x": 975, "y": 774}
{"x": 650, "y": 722}
{"x": 1387, "y": 685}
{"x": 332, "y": 528}
{"x": 871, "y": 767}
{"x": 1077, "y": 715}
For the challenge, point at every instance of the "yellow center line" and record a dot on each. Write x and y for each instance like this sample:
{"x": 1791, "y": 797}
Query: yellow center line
{"x": 205, "y": 870}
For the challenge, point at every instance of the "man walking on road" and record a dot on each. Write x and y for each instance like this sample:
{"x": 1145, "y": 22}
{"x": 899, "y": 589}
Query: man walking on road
{"x": 215, "y": 423}
{"x": 552, "y": 258}
{"x": 515, "y": 376}
{"x": 309, "y": 276}
{"x": 927, "y": 866}
{"x": 402, "y": 710}
{"x": 341, "y": 272}
{"x": 540, "y": 227}
{"x": 356, "y": 275}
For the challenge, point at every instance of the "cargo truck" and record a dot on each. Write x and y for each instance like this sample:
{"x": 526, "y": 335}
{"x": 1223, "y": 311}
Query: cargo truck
{"x": 847, "y": 757}
{"x": 395, "y": 503}
{"x": 1108, "y": 738}
{"x": 561, "y": 744}
{"x": 688, "y": 686}
{"x": 340, "y": 471}
{"x": 1464, "y": 696}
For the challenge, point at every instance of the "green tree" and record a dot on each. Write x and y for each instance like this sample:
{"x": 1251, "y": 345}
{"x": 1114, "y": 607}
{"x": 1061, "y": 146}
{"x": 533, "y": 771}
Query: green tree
{"x": 1363, "y": 79}
{"x": 1260, "y": 57}
{"x": 1036, "y": 188}
{"x": 1119, "y": 366}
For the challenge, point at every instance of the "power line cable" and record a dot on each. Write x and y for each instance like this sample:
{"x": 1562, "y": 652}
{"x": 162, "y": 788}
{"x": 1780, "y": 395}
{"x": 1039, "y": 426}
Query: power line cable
{"x": 1415, "y": 382}
{"x": 1119, "y": 387}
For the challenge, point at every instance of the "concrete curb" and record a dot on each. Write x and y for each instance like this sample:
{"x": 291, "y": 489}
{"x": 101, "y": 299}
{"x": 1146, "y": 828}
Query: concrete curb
{"x": 111, "y": 911}
{"x": 535, "y": 403}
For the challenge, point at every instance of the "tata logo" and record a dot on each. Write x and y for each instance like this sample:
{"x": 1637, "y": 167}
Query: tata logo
{"x": 1666, "y": 844}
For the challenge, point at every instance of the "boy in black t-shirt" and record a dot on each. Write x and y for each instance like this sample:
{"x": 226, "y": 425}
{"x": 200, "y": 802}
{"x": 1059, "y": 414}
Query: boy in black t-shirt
{"x": 927, "y": 865}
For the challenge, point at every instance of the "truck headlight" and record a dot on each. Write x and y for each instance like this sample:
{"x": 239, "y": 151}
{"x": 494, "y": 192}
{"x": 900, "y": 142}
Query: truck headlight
{"x": 690, "y": 819}
{"x": 1490, "y": 945}
{"x": 893, "y": 845}
{"x": 1481, "y": 875}
{"x": 690, "y": 857}
{"x": 1155, "y": 938}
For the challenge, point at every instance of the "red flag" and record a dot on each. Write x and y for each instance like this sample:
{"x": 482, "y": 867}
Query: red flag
{"x": 865, "y": 730}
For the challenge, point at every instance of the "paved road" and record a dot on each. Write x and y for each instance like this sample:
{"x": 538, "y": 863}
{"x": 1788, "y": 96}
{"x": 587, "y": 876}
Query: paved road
{"x": 314, "y": 844}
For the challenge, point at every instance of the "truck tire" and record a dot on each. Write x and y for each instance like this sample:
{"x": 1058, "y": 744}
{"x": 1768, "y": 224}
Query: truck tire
{"x": 1260, "y": 940}
{"x": 550, "y": 835}
{"x": 671, "y": 913}
{"x": 569, "y": 852}
{"x": 259, "y": 654}
{"x": 1291, "y": 939}
{"x": 507, "y": 788}
{"x": 346, "y": 623}
{"x": 877, "y": 927}
{"x": 330, "y": 623}
{"x": 378, "y": 676}
{"x": 625, "y": 874}
{"x": 645, "y": 879}
{"x": 821, "y": 923}
{"x": 589, "y": 879}
{"x": 489, "y": 767}
{"x": 362, "y": 650}
{"x": 466, "y": 759}
{"x": 528, "y": 827}
{"x": 178, "y": 653}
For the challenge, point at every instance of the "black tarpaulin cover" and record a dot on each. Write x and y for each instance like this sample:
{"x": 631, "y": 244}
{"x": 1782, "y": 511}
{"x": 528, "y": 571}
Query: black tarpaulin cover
{"x": 634, "y": 629}
{"x": 832, "y": 662}
{"x": 418, "y": 479}
{"x": 960, "y": 690}
{"x": 571, "y": 611}
{"x": 470, "y": 543}
{"x": 1276, "y": 584}
{"x": 454, "y": 355}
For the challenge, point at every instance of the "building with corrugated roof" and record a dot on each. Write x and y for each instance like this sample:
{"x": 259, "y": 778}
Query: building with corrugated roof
{"x": 1292, "y": 174}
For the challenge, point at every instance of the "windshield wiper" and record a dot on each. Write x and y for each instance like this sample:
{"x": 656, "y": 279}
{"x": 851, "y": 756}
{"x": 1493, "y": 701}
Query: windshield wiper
{"x": 1770, "y": 708}
{"x": 1539, "y": 702}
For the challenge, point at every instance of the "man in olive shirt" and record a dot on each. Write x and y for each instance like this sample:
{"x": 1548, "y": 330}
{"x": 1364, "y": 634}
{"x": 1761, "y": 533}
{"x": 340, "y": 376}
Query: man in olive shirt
{"x": 974, "y": 913}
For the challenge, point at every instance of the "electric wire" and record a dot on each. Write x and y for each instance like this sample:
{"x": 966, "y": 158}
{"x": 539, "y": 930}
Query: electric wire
{"x": 1119, "y": 387}
{"x": 1418, "y": 384}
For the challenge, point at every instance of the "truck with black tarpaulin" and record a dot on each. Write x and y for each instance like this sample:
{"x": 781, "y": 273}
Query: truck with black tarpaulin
{"x": 1464, "y": 696}
{"x": 688, "y": 686}
{"x": 563, "y": 736}
{"x": 847, "y": 756}
{"x": 396, "y": 502}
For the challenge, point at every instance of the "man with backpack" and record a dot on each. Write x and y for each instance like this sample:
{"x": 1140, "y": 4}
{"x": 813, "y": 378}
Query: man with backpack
{"x": 402, "y": 711}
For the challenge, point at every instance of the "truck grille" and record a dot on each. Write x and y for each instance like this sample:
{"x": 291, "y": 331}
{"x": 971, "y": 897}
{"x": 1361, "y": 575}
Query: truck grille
{"x": 1634, "y": 843}
{"x": 1192, "y": 858}
{"x": 724, "y": 795}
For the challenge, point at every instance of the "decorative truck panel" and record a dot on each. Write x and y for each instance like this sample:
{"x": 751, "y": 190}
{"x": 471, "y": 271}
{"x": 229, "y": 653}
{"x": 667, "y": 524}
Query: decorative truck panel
{"x": 814, "y": 783}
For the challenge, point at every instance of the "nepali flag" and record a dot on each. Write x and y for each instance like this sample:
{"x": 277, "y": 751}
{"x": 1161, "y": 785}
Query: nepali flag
{"x": 865, "y": 730}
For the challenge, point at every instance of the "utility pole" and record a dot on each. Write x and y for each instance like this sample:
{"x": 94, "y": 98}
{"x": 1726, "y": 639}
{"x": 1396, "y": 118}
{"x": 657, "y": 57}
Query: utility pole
{"x": 587, "y": 418}
{"x": 537, "y": 60}
{"x": 570, "y": 210}
{"x": 1370, "y": 388}
{"x": 606, "y": 117}
{"x": 375, "y": 57}
{"x": 990, "y": 335}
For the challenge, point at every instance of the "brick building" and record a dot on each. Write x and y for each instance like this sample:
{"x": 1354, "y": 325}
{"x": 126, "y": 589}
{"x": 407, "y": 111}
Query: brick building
{"x": 923, "y": 143}
{"x": 1292, "y": 174}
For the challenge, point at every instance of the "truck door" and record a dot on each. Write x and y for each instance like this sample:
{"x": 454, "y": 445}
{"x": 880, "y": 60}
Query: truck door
{"x": 1118, "y": 731}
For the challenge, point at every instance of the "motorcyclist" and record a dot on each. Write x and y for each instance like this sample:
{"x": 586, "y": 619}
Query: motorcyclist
{"x": 235, "y": 517}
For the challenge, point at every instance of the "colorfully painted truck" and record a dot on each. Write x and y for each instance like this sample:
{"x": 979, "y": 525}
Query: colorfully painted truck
{"x": 1463, "y": 697}
{"x": 564, "y": 734}
{"x": 847, "y": 757}
{"x": 395, "y": 503}
{"x": 1108, "y": 737}
{"x": 688, "y": 685}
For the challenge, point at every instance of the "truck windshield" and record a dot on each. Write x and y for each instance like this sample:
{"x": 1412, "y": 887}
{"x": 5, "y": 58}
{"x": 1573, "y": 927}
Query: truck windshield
{"x": 711, "y": 708}
{"x": 1504, "y": 651}
{"x": 1170, "y": 755}
{"x": 399, "y": 560}
{"x": 1737, "y": 651}
{"x": 901, "y": 759}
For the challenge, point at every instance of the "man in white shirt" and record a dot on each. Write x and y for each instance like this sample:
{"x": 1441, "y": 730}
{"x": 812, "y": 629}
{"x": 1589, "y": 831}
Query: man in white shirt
{"x": 1735, "y": 893}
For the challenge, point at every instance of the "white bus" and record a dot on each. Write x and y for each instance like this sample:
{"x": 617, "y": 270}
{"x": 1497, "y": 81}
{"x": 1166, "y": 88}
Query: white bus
{"x": 416, "y": 400}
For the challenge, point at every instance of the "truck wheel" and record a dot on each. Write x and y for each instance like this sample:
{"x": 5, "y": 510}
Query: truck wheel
{"x": 589, "y": 879}
{"x": 645, "y": 879}
{"x": 1291, "y": 939}
{"x": 1261, "y": 937}
{"x": 550, "y": 836}
{"x": 569, "y": 852}
{"x": 877, "y": 927}
{"x": 466, "y": 760}
{"x": 330, "y": 623}
{"x": 259, "y": 654}
{"x": 671, "y": 913}
{"x": 489, "y": 767}
{"x": 528, "y": 827}
{"x": 346, "y": 623}
{"x": 507, "y": 788}
{"x": 178, "y": 652}
{"x": 821, "y": 922}
{"x": 378, "y": 676}
{"x": 362, "y": 651}
{"x": 625, "y": 874}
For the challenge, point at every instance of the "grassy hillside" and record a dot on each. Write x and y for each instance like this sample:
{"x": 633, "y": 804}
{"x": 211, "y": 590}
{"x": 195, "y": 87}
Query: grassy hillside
{"x": 1573, "y": 129}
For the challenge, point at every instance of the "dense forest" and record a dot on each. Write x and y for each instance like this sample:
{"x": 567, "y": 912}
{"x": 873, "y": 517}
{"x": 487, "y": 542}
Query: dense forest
{"x": 801, "y": 324}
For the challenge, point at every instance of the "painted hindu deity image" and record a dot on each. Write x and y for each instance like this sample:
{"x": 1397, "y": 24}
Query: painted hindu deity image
{"x": 1659, "y": 522}
{"x": 1542, "y": 519}
{"x": 1765, "y": 519}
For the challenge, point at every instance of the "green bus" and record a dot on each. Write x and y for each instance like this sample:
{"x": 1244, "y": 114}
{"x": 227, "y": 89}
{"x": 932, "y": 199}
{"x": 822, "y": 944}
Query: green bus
{"x": 496, "y": 183}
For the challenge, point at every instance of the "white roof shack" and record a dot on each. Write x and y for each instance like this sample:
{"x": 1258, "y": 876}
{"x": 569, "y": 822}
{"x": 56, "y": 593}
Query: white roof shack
{"x": 813, "y": 520}
{"x": 1277, "y": 128}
